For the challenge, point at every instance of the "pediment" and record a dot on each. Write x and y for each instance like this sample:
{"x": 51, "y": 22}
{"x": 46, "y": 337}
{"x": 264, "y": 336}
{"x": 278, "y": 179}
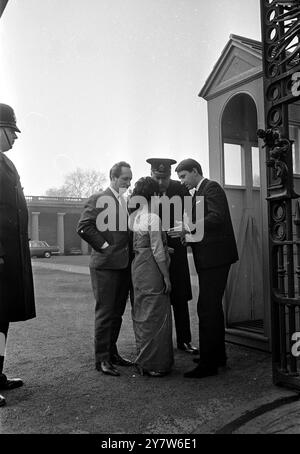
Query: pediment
{"x": 238, "y": 62}
{"x": 237, "y": 66}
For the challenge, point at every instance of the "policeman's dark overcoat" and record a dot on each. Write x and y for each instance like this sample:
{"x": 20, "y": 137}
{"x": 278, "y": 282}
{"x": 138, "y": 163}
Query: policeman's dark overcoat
{"x": 179, "y": 269}
{"x": 16, "y": 283}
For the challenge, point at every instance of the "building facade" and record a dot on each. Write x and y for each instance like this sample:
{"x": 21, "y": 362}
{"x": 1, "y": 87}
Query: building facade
{"x": 235, "y": 101}
{"x": 54, "y": 219}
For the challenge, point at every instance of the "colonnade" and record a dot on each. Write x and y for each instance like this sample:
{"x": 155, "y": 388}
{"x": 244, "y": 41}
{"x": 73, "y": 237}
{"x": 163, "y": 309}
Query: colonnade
{"x": 60, "y": 231}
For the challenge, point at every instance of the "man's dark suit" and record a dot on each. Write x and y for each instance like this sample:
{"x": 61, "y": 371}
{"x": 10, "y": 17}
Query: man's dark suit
{"x": 110, "y": 273}
{"x": 179, "y": 274}
{"x": 213, "y": 257}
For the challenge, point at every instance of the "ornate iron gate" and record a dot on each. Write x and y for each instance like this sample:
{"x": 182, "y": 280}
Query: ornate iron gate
{"x": 281, "y": 59}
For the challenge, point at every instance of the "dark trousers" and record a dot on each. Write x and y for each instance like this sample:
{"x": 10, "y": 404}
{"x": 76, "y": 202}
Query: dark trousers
{"x": 3, "y": 330}
{"x": 111, "y": 288}
{"x": 212, "y": 284}
{"x": 182, "y": 320}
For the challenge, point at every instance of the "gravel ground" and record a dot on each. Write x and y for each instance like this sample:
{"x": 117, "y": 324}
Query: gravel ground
{"x": 63, "y": 393}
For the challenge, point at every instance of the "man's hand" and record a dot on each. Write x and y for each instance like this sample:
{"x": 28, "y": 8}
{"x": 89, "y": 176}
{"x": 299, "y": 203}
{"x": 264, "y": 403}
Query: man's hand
{"x": 178, "y": 231}
{"x": 168, "y": 286}
{"x": 1, "y": 264}
{"x": 173, "y": 233}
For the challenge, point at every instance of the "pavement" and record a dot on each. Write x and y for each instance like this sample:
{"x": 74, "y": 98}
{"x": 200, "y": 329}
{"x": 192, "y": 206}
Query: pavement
{"x": 79, "y": 264}
{"x": 64, "y": 394}
{"x": 68, "y": 264}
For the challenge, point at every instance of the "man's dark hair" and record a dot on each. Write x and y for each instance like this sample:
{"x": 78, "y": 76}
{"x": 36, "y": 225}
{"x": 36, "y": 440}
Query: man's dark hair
{"x": 116, "y": 170}
{"x": 146, "y": 187}
{"x": 189, "y": 165}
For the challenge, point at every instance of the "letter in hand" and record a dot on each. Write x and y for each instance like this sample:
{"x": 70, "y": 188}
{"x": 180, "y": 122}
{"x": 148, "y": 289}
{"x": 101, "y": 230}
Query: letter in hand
{"x": 178, "y": 231}
{"x": 1, "y": 265}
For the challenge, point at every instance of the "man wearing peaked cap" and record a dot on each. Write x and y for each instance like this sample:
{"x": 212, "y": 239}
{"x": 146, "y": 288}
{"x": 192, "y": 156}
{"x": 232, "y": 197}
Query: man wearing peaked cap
{"x": 16, "y": 284}
{"x": 179, "y": 270}
{"x": 162, "y": 167}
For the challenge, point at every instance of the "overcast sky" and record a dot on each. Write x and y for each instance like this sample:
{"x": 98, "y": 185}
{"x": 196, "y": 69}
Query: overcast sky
{"x": 97, "y": 81}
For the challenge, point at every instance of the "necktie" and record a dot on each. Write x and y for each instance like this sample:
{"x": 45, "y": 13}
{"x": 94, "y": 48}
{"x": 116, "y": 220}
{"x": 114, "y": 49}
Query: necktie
{"x": 194, "y": 198}
{"x": 123, "y": 203}
{"x": 123, "y": 214}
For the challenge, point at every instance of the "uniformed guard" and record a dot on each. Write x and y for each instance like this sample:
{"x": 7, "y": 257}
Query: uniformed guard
{"x": 16, "y": 284}
{"x": 179, "y": 270}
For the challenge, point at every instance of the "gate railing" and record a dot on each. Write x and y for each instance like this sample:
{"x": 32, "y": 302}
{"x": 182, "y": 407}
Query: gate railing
{"x": 281, "y": 60}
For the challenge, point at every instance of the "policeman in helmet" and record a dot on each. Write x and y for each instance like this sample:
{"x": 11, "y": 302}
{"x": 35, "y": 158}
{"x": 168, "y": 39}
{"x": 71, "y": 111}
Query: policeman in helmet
{"x": 16, "y": 284}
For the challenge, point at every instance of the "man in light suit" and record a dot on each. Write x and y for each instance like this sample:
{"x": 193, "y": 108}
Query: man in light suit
{"x": 103, "y": 224}
{"x": 213, "y": 256}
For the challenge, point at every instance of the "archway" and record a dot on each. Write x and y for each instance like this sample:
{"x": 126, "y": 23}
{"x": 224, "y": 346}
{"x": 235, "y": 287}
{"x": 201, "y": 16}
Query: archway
{"x": 244, "y": 306}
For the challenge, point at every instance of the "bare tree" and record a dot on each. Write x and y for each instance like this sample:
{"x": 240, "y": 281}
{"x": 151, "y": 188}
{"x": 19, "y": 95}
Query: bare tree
{"x": 80, "y": 183}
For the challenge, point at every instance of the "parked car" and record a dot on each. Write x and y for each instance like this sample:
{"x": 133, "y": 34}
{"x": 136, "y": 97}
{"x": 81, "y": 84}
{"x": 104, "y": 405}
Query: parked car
{"x": 42, "y": 249}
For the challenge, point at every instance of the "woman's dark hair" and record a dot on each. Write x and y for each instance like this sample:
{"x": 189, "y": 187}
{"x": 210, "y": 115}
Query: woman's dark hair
{"x": 146, "y": 187}
{"x": 189, "y": 165}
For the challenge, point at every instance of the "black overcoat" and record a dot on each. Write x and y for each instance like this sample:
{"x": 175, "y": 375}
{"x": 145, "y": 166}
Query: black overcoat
{"x": 16, "y": 283}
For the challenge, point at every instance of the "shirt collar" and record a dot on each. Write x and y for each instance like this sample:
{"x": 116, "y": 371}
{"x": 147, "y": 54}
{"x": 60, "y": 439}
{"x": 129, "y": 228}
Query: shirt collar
{"x": 196, "y": 189}
{"x": 199, "y": 184}
{"x": 115, "y": 193}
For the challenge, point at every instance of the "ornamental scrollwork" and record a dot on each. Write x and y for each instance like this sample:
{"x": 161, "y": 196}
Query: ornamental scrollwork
{"x": 288, "y": 45}
{"x": 278, "y": 150}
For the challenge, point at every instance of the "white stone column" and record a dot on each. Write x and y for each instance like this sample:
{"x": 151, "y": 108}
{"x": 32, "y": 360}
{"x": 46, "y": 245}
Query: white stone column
{"x": 61, "y": 232}
{"x": 84, "y": 247}
{"x": 35, "y": 225}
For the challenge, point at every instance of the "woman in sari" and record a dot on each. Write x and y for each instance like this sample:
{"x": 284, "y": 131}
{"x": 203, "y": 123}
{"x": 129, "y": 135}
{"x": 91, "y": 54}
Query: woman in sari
{"x": 151, "y": 313}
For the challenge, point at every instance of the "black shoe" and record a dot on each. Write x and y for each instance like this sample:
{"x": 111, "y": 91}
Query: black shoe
{"x": 107, "y": 368}
{"x": 188, "y": 348}
{"x": 8, "y": 384}
{"x": 119, "y": 361}
{"x": 2, "y": 401}
{"x": 201, "y": 371}
{"x": 221, "y": 363}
